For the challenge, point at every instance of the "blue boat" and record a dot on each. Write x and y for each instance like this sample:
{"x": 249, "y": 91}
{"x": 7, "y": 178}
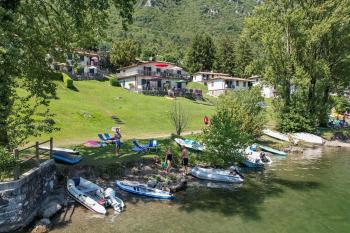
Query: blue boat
{"x": 271, "y": 150}
{"x": 63, "y": 157}
{"x": 143, "y": 190}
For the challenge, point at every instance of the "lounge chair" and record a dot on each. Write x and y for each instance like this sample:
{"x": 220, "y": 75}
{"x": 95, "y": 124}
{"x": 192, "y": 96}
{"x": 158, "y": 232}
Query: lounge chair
{"x": 103, "y": 139}
{"x": 108, "y": 137}
{"x": 152, "y": 145}
{"x": 138, "y": 148}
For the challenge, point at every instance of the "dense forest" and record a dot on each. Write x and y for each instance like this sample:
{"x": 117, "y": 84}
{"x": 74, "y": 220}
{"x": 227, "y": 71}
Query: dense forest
{"x": 165, "y": 28}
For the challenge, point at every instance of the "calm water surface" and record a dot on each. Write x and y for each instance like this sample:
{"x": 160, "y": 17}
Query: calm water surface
{"x": 307, "y": 193}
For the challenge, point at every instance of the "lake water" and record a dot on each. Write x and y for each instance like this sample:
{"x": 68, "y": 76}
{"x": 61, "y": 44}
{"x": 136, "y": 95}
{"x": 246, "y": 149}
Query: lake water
{"x": 306, "y": 193}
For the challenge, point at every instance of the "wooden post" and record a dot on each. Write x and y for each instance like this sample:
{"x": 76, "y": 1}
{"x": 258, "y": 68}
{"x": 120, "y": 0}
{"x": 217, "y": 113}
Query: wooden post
{"x": 51, "y": 147}
{"x": 37, "y": 158}
{"x": 16, "y": 171}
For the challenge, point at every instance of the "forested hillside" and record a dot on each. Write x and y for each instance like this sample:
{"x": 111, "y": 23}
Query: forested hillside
{"x": 165, "y": 27}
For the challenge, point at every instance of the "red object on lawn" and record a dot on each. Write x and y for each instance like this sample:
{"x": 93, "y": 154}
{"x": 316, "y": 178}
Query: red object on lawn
{"x": 206, "y": 120}
{"x": 161, "y": 65}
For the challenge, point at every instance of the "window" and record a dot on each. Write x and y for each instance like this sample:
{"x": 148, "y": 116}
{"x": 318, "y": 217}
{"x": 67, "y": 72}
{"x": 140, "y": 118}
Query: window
{"x": 143, "y": 82}
{"x": 81, "y": 57}
{"x": 69, "y": 56}
{"x": 158, "y": 70}
{"x": 237, "y": 83}
{"x": 244, "y": 84}
{"x": 179, "y": 72}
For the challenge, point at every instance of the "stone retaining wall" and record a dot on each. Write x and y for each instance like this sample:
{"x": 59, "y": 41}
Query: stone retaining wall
{"x": 21, "y": 199}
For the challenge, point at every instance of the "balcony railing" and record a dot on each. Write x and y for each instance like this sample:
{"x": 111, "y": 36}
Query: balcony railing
{"x": 162, "y": 74}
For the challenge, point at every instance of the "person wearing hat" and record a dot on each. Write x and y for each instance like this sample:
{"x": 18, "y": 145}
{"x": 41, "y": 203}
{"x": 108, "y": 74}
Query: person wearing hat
{"x": 117, "y": 137}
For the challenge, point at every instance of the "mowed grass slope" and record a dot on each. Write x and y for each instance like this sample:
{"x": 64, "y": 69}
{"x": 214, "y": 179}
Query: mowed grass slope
{"x": 84, "y": 113}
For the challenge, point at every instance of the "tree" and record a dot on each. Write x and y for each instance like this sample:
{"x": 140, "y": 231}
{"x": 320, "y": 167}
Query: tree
{"x": 30, "y": 30}
{"x": 124, "y": 52}
{"x": 225, "y": 61}
{"x": 178, "y": 117}
{"x": 302, "y": 48}
{"x": 239, "y": 119}
{"x": 201, "y": 54}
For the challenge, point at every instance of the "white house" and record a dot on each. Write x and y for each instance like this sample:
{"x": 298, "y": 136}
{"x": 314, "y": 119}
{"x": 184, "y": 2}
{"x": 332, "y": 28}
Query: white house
{"x": 219, "y": 83}
{"x": 267, "y": 91}
{"x": 152, "y": 75}
{"x": 80, "y": 64}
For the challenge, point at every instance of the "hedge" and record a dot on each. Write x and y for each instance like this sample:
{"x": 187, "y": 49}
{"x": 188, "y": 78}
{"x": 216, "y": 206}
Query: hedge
{"x": 67, "y": 81}
{"x": 114, "y": 82}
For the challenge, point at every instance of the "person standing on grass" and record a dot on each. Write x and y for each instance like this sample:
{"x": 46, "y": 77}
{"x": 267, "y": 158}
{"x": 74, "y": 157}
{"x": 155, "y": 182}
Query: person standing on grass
{"x": 117, "y": 138}
{"x": 184, "y": 159}
{"x": 169, "y": 160}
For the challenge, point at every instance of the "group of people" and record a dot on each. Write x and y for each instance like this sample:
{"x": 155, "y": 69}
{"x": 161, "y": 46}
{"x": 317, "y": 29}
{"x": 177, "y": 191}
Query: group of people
{"x": 168, "y": 154}
{"x": 169, "y": 160}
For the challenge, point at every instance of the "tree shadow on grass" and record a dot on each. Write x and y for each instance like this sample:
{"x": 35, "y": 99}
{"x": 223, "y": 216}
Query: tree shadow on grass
{"x": 244, "y": 201}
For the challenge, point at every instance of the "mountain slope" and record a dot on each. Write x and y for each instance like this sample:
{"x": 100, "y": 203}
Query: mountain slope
{"x": 167, "y": 26}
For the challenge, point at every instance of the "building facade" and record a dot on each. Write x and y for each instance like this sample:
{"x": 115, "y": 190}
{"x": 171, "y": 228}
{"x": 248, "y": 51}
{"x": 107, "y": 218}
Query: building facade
{"x": 219, "y": 83}
{"x": 267, "y": 91}
{"x": 152, "y": 75}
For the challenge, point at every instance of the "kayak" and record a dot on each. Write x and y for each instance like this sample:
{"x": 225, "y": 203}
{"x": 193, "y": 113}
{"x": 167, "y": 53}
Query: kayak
{"x": 255, "y": 159}
{"x": 191, "y": 144}
{"x": 308, "y": 137}
{"x": 143, "y": 190}
{"x": 216, "y": 175}
{"x": 271, "y": 150}
{"x": 64, "y": 157}
{"x": 57, "y": 149}
{"x": 87, "y": 193}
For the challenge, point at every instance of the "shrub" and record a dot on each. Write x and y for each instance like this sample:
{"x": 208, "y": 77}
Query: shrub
{"x": 7, "y": 162}
{"x": 114, "y": 82}
{"x": 67, "y": 80}
{"x": 341, "y": 103}
{"x": 56, "y": 76}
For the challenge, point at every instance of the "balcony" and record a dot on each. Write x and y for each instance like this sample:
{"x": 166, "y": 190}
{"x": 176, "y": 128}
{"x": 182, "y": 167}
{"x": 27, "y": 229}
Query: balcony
{"x": 163, "y": 74}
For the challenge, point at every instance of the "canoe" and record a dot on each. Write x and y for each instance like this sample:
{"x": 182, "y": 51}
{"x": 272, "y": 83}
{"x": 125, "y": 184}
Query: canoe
{"x": 271, "y": 150}
{"x": 87, "y": 193}
{"x": 63, "y": 157}
{"x": 114, "y": 201}
{"x": 308, "y": 137}
{"x": 216, "y": 175}
{"x": 254, "y": 159}
{"x": 143, "y": 190}
{"x": 57, "y": 149}
{"x": 276, "y": 135}
{"x": 190, "y": 144}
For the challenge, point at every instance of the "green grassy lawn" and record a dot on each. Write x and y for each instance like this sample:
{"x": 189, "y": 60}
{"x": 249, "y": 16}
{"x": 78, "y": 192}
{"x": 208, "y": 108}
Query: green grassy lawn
{"x": 83, "y": 113}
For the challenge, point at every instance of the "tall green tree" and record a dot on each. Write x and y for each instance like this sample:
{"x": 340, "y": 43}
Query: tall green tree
{"x": 239, "y": 119}
{"x": 302, "y": 48}
{"x": 225, "y": 56}
{"x": 30, "y": 30}
{"x": 201, "y": 54}
{"x": 124, "y": 52}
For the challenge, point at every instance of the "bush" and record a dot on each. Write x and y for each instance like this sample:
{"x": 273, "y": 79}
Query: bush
{"x": 341, "y": 104}
{"x": 56, "y": 76}
{"x": 67, "y": 80}
{"x": 7, "y": 162}
{"x": 114, "y": 82}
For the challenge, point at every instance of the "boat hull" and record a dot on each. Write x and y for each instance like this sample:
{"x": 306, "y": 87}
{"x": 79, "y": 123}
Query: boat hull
{"x": 56, "y": 149}
{"x": 215, "y": 175}
{"x": 83, "y": 198}
{"x": 66, "y": 158}
{"x": 190, "y": 144}
{"x": 271, "y": 150}
{"x": 138, "y": 190}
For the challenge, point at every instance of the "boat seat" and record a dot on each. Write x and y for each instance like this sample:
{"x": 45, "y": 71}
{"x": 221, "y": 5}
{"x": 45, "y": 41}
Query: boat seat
{"x": 87, "y": 190}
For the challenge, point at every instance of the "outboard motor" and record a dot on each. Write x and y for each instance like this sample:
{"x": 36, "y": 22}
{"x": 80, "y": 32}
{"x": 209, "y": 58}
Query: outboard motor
{"x": 112, "y": 200}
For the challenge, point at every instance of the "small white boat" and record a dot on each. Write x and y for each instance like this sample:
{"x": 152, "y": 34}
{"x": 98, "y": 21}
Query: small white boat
{"x": 57, "y": 149}
{"x": 278, "y": 135}
{"x": 112, "y": 200}
{"x": 255, "y": 159}
{"x": 308, "y": 137}
{"x": 144, "y": 190}
{"x": 191, "y": 144}
{"x": 88, "y": 194}
{"x": 216, "y": 175}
